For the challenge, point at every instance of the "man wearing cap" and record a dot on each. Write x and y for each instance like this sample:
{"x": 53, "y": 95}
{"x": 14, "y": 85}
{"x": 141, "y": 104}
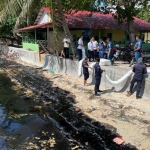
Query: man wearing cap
{"x": 98, "y": 75}
{"x": 139, "y": 70}
{"x": 85, "y": 70}
{"x": 110, "y": 50}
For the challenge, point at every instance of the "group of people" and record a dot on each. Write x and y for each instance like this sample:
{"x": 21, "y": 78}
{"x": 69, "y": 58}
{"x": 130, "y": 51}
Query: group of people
{"x": 98, "y": 74}
{"x": 139, "y": 70}
{"x": 95, "y": 49}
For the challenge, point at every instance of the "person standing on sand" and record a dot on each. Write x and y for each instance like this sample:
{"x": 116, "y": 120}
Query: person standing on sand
{"x": 139, "y": 70}
{"x": 85, "y": 70}
{"x": 98, "y": 75}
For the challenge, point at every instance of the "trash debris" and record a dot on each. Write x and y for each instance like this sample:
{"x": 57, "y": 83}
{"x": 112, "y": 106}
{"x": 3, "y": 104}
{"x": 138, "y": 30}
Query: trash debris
{"x": 77, "y": 109}
{"x": 118, "y": 140}
{"x": 91, "y": 108}
{"x": 52, "y": 71}
{"x": 81, "y": 88}
{"x": 103, "y": 116}
{"x": 54, "y": 85}
{"x": 122, "y": 113}
{"x": 113, "y": 106}
{"x": 123, "y": 119}
{"x": 88, "y": 110}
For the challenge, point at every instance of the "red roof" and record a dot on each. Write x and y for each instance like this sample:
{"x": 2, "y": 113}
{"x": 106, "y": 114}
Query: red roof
{"x": 44, "y": 25}
{"x": 46, "y": 9}
{"x": 91, "y": 20}
{"x": 97, "y": 20}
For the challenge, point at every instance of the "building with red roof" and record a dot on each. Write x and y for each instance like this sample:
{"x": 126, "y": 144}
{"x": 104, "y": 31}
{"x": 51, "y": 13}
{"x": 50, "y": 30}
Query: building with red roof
{"x": 87, "y": 23}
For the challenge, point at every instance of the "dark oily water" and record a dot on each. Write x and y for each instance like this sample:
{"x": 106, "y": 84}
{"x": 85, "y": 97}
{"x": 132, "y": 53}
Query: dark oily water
{"x": 85, "y": 132}
{"x": 21, "y": 127}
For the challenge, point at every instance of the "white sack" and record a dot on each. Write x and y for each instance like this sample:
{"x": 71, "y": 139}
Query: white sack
{"x": 122, "y": 78}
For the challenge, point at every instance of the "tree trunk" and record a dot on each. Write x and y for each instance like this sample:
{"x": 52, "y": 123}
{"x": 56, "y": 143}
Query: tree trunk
{"x": 130, "y": 31}
{"x": 66, "y": 28}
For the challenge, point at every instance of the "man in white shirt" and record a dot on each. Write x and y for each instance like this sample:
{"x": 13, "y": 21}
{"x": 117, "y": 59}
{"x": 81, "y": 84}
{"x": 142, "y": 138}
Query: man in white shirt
{"x": 80, "y": 46}
{"x": 90, "y": 49}
{"x": 66, "y": 42}
{"x": 95, "y": 47}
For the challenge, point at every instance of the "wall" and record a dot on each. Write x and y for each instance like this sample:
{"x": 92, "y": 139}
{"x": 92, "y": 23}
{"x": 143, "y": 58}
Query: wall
{"x": 70, "y": 67}
{"x": 31, "y": 46}
{"x": 31, "y": 57}
{"x": 46, "y": 17}
{"x": 146, "y": 37}
{"x": 117, "y": 35}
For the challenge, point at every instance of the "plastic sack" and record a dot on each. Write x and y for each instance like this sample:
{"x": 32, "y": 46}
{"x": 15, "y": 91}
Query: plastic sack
{"x": 83, "y": 53}
{"x": 129, "y": 73}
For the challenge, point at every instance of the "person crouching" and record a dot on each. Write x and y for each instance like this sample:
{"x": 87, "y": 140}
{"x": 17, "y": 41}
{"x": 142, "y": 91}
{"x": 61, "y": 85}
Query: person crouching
{"x": 85, "y": 70}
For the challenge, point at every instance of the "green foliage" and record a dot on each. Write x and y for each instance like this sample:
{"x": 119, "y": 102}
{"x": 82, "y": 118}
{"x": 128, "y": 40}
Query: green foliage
{"x": 125, "y": 10}
{"x": 144, "y": 13}
{"x": 6, "y": 27}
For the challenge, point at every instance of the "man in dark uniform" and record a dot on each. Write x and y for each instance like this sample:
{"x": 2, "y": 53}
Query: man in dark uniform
{"x": 85, "y": 70}
{"x": 98, "y": 75}
{"x": 139, "y": 70}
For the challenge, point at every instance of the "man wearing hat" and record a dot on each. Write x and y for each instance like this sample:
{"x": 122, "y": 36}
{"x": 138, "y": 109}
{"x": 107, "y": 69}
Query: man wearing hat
{"x": 139, "y": 70}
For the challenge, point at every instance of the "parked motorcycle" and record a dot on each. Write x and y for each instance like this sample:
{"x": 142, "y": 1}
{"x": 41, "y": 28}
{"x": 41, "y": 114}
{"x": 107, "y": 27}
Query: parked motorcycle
{"x": 124, "y": 54}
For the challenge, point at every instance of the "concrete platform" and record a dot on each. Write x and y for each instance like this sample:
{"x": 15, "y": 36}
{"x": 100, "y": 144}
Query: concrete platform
{"x": 70, "y": 67}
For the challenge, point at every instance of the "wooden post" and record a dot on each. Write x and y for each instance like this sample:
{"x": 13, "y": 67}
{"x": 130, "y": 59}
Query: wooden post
{"x": 99, "y": 34}
{"x": 22, "y": 36}
{"x": 48, "y": 39}
{"x": 35, "y": 36}
{"x": 125, "y": 37}
{"x": 141, "y": 35}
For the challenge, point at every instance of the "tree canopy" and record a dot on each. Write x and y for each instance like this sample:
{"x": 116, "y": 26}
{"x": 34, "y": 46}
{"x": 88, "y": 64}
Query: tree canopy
{"x": 24, "y": 14}
{"x": 144, "y": 13}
